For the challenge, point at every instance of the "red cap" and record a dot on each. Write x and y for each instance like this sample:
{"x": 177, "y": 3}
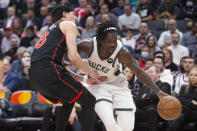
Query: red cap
{"x": 8, "y": 28}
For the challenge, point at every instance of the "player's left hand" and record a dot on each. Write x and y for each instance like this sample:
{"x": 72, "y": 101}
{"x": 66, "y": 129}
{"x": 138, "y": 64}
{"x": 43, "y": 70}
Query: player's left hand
{"x": 162, "y": 95}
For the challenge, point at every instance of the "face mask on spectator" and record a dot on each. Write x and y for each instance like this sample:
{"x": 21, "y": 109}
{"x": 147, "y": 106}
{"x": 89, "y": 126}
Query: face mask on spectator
{"x": 189, "y": 3}
{"x": 25, "y": 59}
{"x": 144, "y": 54}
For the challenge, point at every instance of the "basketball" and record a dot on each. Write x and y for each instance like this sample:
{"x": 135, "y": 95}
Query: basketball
{"x": 169, "y": 108}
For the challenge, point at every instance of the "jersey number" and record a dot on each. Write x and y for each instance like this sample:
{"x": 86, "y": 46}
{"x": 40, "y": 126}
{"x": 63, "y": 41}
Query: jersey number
{"x": 42, "y": 40}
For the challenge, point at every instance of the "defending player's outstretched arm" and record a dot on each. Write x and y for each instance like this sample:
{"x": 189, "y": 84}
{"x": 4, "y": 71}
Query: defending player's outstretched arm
{"x": 129, "y": 61}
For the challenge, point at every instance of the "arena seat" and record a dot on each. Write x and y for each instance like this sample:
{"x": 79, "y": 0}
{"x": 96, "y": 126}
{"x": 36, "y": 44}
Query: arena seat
{"x": 182, "y": 25}
{"x": 29, "y": 106}
{"x": 156, "y": 25}
{"x": 5, "y": 95}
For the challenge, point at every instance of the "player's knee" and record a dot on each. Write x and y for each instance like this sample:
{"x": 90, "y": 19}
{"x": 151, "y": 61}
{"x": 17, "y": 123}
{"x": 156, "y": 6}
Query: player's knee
{"x": 127, "y": 127}
{"x": 111, "y": 125}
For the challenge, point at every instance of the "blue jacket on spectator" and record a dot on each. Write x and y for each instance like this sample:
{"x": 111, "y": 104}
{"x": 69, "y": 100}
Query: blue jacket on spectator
{"x": 11, "y": 81}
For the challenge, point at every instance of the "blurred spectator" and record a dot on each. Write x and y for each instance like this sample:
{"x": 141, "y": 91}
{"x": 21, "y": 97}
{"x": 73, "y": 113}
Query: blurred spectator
{"x": 5, "y": 44}
{"x": 89, "y": 12}
{"x": 129, "y": 19}
{"x": 31, "y": 48}
{"x": 81, "y": 10}
{"x": 129, "y": 39}
{"x": 143, "y": 56}
{"x": 188, "y": 10}
{"x": 3, "y": 8}
{"x": 146, "y": 100}
{"x": 99, "y": 3}
{"x": 166, "y": 75}
{"x": 120, "y": 9}
{"x": 134, "y": 4}
{"x": 189, "y": 40}
{"x": 13, "y": 49}
{"x": 10, "y": 80}
{"x": 151, "y": 42}
{"x": 112, "y": 4}
{"x": 31, "y": 4}
{"x": 168, "y": 10}
{"x": 130, "y": 77}
{"x": 188, "y": 98}
{"x": 46, "y": 3}
{"x": 43, "y": 13}
{"x": 30, "y": 35}
{"x": 17, "y": 26}
{"x": 145, "y": 10}
{"x": 141, "y": 37}
{"x": 25, "y": 83}
{"x": 105, "y": 10}
{"x": 169, "y": 60}
{"x": 17, "y": 65}
{"x": 48, "y": 23}
{"x": 10, "y": 17}
{"x": 182, "y": 78}
{"x": 105, "y": 17}
{"x": 90, "y": 28}
{"x": 32, "y": 20}
{"x": 148, "y": 63}
{"x": 178, "y": 50}
{"x": 159, "y": 53}
{"x": 166, "y": 36}
{"x": 155, "y": 4}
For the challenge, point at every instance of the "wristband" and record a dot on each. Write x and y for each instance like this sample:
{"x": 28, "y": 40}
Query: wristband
{"x": 158, "y": 94}
{"x": 85, "y": 78}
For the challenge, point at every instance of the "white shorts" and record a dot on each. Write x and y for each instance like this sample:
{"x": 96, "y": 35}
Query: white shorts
{"x": 120, "y": 97}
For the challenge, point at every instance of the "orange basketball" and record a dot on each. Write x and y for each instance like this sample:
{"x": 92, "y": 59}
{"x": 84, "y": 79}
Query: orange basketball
{"x": 169, "y": 107}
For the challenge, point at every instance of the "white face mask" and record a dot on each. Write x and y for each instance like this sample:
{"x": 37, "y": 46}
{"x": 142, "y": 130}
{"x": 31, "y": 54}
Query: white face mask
{"x": 25, "y": 59}
{"x": 144, "y": 54}
{"x": 189, "y": 3}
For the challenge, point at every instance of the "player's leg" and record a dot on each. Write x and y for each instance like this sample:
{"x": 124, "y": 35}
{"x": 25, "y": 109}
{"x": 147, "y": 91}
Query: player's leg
{"x": 87, "y": 114}
{"x": 58, "y": 84}
{"x": 62, "y": 116}
{"x": 124, "y": 108}
{"x": 104, "y": 109}
{"x": 125, "y": 119}
{"x": 104, "y": 106}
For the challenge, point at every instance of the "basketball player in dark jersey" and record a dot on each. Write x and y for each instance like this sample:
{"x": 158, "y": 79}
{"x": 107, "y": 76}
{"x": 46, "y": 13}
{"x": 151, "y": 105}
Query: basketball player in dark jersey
{"x": 48, "y": 75}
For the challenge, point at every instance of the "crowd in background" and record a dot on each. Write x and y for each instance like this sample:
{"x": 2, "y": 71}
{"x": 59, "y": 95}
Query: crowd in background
{"x": 160, "y": 34}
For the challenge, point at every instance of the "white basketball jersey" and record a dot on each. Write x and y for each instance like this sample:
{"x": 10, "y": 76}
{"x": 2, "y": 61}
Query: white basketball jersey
{"x": 109, "y": 67}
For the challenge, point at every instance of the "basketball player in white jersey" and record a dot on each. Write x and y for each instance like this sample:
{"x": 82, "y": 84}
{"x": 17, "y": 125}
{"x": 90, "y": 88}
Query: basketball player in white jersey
{"x": 105, "y": 53}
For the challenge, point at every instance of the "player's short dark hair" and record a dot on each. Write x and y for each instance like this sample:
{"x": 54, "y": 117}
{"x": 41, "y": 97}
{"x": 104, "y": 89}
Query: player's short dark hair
{"x": 104, "y": 28}
{"x": 59, "y": 9}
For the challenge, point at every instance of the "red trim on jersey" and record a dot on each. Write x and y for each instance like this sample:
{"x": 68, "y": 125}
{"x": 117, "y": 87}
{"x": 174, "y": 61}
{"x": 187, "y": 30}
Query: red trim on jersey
{"x": 73, "y": 100}
{"x": 52, "y": 62}
{"x": 57, "y": 101}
